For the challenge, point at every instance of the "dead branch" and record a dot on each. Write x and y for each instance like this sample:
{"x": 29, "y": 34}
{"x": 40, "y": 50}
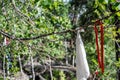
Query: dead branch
{"x": 40, "y": 69}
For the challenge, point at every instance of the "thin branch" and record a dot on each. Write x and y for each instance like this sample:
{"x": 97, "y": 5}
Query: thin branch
{"x": 105, "y": 17}
{"x": 44, "y": 68}
{"x": 8, "y": 66}
{"x": 20, "y": 63}
{"x": 66, "y": 52}
{"x": 45, "y": 35}
{"x": 19, "y": 60}
{"x": 73, "y": 60}
{"x": 31, "y": 57}
{"x": 64, "y": 67}
{"x": 117, "y": 44}
{"x": 4, "y": 67}
{"x": 36, "y": 37}
{"x": 41, "y": 78}
{"x": 7, "y": 35}
{"x": 22, "y": 14}
{"x": 51, "y": 74}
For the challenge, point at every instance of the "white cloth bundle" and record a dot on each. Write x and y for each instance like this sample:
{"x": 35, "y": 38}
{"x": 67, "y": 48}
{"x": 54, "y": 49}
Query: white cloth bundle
{"x": 81, "y": 61}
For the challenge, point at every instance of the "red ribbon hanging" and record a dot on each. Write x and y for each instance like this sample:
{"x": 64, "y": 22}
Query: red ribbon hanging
{"x": 100, "y": 47}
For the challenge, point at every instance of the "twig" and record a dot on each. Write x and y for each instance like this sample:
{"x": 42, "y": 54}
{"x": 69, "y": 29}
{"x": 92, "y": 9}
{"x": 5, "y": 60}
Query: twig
{"x": 46, "y": 67}
{"x": 51, "y": 75}
{"x": 19, "y": 59}
{"x": 4, "y": 67}
{"x": 117, "y": 44}
{"x": 41, "y": 78}
{"x": 33, "y": 72}
{"x": 73, "y": 60}
{"x": 64, "y": 67}
{"x": 66, "y": 51}
{"x": 8, "y": 66}
{"x": 20, "y": 63}
{"x": 94, "y": 77}
{"x": 8, "y": 35}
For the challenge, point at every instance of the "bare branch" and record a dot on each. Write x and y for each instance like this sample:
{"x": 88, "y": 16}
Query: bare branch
{"x": 64, "y": 67}
{"x": 36, "y": 37}
{"x": 20, "y": 63}
{"x": 32, "y": 65}
{"x": 4, "y": 67}
{"x": 43, "y": 68}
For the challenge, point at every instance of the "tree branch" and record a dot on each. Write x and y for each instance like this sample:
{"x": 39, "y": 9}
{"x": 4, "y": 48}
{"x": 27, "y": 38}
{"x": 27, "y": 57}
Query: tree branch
{"x": 45, "y": 35}
{"x": 105, "y": 17}
{"x": 40, "y": 69}
{"x": 109, "y": 15}
{"x": 36, "y": 37}
{"x": 64, "y": 67}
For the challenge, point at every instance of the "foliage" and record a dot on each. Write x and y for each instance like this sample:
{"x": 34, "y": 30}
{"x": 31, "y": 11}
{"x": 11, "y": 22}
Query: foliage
{"x": 30, "y": 18}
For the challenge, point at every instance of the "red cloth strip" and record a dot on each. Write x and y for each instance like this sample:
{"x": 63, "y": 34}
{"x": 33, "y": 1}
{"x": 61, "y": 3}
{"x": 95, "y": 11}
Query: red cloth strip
{"x": 100, "y": 51}
{"x": 102, "y": 46}
{"x": 97, "y": 46}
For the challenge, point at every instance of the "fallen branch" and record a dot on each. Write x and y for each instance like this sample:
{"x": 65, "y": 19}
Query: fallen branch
{"x": 40, "y": 69}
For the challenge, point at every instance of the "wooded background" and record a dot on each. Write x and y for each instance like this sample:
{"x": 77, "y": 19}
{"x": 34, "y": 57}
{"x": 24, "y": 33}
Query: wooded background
{"x": 41, "y": 38}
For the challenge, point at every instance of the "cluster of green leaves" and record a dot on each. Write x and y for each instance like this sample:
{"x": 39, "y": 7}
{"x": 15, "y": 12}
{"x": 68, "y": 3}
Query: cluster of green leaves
{"x": 48, "y": 16}
{"x": 32, "y": 18}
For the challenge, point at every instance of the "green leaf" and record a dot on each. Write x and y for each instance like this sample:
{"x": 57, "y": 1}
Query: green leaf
{"x": 36, "y": 1}
{"x": 118, "y": 14}
{"x": 106, "y": 1}
{"x": 118, "y": 7}
{"x": 113, "y": 0}
{"x": 101, "y": 1}
{"x": 94, "y": 61}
